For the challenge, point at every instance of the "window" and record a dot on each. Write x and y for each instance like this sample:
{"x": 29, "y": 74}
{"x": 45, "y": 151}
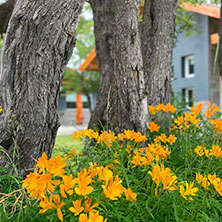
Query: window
{"x": 188, "y": 66}
{"x": 188, "y": 95}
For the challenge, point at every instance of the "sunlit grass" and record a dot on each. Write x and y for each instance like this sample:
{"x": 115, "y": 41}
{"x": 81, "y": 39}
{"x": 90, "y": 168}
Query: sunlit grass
{"x": 65, "y": 143}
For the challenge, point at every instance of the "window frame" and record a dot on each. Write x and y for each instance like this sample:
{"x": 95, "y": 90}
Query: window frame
{"x": 186, "y": 66}
{"x": 189, "y": 102}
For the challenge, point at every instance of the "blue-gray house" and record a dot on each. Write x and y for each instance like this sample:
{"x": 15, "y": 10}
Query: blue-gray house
{"x": 196, "y": 76}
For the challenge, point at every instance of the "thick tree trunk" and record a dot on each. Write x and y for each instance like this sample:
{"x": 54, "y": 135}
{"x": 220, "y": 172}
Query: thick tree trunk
{"x": 5, "y": 14}
{"x": 39, "y": 42}
{"x": 158, "y": 28}
{"x": 122, "y": 103}
{"x": 220, "y": 43}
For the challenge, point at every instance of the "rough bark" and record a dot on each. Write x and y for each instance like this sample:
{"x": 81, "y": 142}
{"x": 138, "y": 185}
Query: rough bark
{"x": 39, "y": 42}
{"x": 158, "y": 28}
{"x": 122, "y": 103}
{"x": 5, "y": 14}
{"x": 220, "y": 38}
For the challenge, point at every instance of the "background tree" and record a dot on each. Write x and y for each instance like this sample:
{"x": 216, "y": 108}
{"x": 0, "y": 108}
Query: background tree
{"x": 161, "y": 37}
{"x": 39, "y": 42}
{"x": 157, "y": 37}
{"x": 122, "y": 103}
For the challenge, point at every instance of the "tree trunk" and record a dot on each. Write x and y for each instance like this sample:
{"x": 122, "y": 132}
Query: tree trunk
{"x": 122, "y": 103}
{"x": 39, "y": 42}
{"x": 5, "y": 14}
{"x": 158, "y": 28}
{"x": 220, "y": 39}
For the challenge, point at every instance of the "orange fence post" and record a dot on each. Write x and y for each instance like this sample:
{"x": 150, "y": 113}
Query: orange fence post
{"x": 79, "y": 117}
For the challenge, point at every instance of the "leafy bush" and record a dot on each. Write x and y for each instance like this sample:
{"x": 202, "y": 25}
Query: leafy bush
{"x": 172, "y": 174}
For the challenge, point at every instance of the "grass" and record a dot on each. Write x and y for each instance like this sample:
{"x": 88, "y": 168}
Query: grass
{"x": 65, "y": 143}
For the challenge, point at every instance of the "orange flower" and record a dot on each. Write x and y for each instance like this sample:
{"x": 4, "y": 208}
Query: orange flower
{"x": 136, "y": 159}
{"x": 153, "y": 127}
{"x": 130, "y": 195}
{"x": 107, "y": 138}
{"x": 58, "y": 206}
{"x": 132, "y": 135}
{"x": 152, "y": 110}
{"x": 43, "y": 162}
{"x": 114, "y": 189}
{"x": 67, "y": 185}
{"x": 160, "y": 174}
{"x": 56, "y": 166}
{"x": 95, "y": 217}
{"x": 105, "y": 174}
{"x": 83, "y": 180}
{"x": 87, "y": 205}
{"x": 83, "y": 218}
{"x": 46, "y": 204}
{"x": 202, "y": 180}
{"x": 77, "y": 208}
{"x": 171, "y": 139}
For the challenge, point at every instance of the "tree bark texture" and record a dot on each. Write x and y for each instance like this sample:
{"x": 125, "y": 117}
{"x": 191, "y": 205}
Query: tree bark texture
{"x": 157, "y": 38}
{"x": 122, "y": 103}
{"x": 220, "y": 39}
{"x": 5, "y": 14}
{"x": 39, "y": 42}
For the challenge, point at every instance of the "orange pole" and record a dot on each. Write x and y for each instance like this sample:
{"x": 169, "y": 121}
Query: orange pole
{"x": 79, "y": 117}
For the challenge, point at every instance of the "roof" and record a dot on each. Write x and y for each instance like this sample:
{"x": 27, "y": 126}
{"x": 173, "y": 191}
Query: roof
{"x": 204, "y": 9}
{"x": 90, "y": 62}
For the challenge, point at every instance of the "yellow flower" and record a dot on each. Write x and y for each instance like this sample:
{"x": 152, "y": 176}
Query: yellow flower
{"x": 199, "y": 150}
{"x": 153, "y": 127}
{"x": 0, "y": 109}
{"x": 130, "y": 195}
{"x": 190, "y": 190}
{"x": 114, "y": 189}
{"x": 202, "y": 180}
{"x": 77, "y": 208}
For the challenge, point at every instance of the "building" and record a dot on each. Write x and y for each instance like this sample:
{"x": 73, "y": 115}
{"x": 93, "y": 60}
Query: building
{"x": 193, "y": 58}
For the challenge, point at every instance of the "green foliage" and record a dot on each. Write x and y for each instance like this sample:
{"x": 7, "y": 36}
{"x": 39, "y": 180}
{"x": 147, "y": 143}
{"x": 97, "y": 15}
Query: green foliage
{"x": 127, "y": 156}
{"x": 85, "y": 37}
{"x": 83, "y": 83}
